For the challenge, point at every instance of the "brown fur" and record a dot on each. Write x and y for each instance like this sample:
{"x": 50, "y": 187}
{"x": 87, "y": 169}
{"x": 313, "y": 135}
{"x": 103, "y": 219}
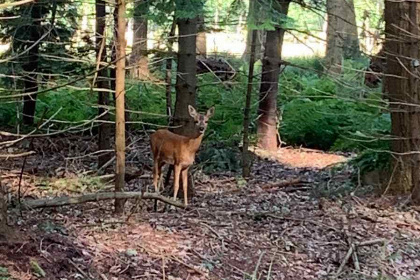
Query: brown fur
{"x": 178, "y": 150}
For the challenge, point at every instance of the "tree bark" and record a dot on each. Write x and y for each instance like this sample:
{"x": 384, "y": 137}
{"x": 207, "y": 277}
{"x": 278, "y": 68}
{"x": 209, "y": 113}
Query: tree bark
{"x": 186, "y": 80}
{"x": 168, "y": 73}
{"x": 253, "y": 13}
{"x": 403, "y": 88}
{"x": 104, "y": 135}
{"x": 342, "y": 36}
{"x": 201, "y": 37}
{"x": 138, "y": 57}
{"x": 120, "y": 107}
{"x": 4, "y": 228}
{"x": 267, "y": 108}
{"x": 246, "y": 156}
{"x": 31, "y": 67}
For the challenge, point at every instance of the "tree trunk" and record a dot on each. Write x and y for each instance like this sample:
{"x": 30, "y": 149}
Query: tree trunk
{"x": 120, "y": 108}
{"x": 186, "y": 80}
{"x": 402, "y": 53}
{"x": 267, "y": 108}
{"x": 31, "y": 67}
{"x": 246, "y": 156}
{"x": 168, "y": 73}
{"x": 4, "y": 229}
{"x": 201, "y": 37}
{"x": 113, "y": 71}
{"x": 138, "y": 58}
{"x": 104, "y": 135}
{"x": 342, "y": 36}
{"x": 253, "y": 14}
{"x": 186, "y": 85}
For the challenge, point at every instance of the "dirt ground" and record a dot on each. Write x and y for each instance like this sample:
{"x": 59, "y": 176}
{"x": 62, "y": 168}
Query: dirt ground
{"x": 277, "y": 225}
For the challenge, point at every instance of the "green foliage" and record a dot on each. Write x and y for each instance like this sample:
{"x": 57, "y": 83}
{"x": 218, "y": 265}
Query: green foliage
{"x": 219, "y": 157}
{"x": 76, "y": 105}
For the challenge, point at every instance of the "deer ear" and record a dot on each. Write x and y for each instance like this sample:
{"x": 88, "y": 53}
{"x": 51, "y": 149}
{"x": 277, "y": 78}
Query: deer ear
{"x": 192, "y": 111}
{"x": 210, "y": 112}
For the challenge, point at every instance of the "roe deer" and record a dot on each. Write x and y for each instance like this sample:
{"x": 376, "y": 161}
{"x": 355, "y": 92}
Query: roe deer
{"x": 171, "y": 148}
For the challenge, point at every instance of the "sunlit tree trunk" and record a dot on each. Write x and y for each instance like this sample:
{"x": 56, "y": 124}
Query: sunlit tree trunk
{"x": 104, "y": 135}
{"x": 267, "y": 108}
{"x": 342, "y": 36}
{"x": 403, "y": 88}
{"x": 138, "y": 57}
{"x": 120, "y": 108}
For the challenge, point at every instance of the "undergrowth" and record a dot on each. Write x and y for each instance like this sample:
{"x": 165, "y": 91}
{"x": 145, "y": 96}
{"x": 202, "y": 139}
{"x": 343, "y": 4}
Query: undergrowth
{"x": 319, "y": 111}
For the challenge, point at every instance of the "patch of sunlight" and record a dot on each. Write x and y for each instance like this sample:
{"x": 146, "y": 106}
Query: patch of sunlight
{"x": 301, "y": 158}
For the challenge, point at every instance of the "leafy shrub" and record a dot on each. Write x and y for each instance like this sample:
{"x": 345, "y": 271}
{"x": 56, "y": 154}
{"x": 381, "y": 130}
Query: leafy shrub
{"x": 219, "y": 158}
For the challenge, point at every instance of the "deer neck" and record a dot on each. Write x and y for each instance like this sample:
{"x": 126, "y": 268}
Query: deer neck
{"x": 194, "y": 143}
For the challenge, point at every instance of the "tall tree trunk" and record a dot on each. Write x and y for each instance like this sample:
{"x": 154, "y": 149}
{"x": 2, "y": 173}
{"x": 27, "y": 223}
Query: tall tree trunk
{"x": 342, "y": 36}
{"x": 168, "y": 73}
{"x": 104, "y": 135}
{"x": 201, "y": 37}
{"x": 246, "y": 156}
{"x": 186, "y": 84}
{"x": 403, "y": 88}
{"x": 120, "y": 107}
{"x": 253, "y": 15}
{"x": 113, "y": 70}
{"x": 138, "y": 57}
{"x": 4, "y": 229}
{"x": 31, "y": 67}
{"x": 267, "y": 110}
{"x": 186, "y": 80}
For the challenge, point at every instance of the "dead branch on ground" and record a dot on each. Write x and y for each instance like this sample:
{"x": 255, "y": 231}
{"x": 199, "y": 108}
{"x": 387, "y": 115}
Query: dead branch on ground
{"x": 66, "y": 200}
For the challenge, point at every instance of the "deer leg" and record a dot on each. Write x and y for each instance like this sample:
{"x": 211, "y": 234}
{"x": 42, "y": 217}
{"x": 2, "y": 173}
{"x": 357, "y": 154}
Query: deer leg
{"x": 160, "y": 176}
{"x": 177, "y": 172}
{"x": 185, "y": 185}
{"x": 156, "y": 175}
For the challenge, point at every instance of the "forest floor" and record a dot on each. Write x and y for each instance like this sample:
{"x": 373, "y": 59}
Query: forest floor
{"x": 278, "y": 225}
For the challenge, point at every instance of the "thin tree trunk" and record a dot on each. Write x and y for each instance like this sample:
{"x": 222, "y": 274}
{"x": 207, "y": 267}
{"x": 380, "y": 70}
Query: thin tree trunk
{"x": 267, "y": 110}
{"x": 186, "y": 81}
{"x": 120, "y": 108}
{"x": 112, "y": 71}
{"x": 104, "y": 135}
{"x": 403, "y": 88}
{"x": 138, "y": 57}
{"x": 31, "y": 67}
{"x": 168, "y": 73}
{"x": 246, "y": 156}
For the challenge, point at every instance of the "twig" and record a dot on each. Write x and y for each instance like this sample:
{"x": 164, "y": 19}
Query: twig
{"x": 78, "y": 269}
{"x": 346, "y": 259}
{"x": 190, "y": 266}
{"x": 212, "y": 230}
{"x": 7, "y": 156}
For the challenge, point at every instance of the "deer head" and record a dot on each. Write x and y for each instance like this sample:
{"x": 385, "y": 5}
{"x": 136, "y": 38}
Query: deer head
{"x": 200, "y": 120}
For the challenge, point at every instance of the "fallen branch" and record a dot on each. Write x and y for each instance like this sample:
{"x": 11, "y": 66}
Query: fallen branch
{"x": 283, "y": 184}
{"x": 66, "y": 200}
{"x": 7, "y": 156}
{"x": 17, "y": 3}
